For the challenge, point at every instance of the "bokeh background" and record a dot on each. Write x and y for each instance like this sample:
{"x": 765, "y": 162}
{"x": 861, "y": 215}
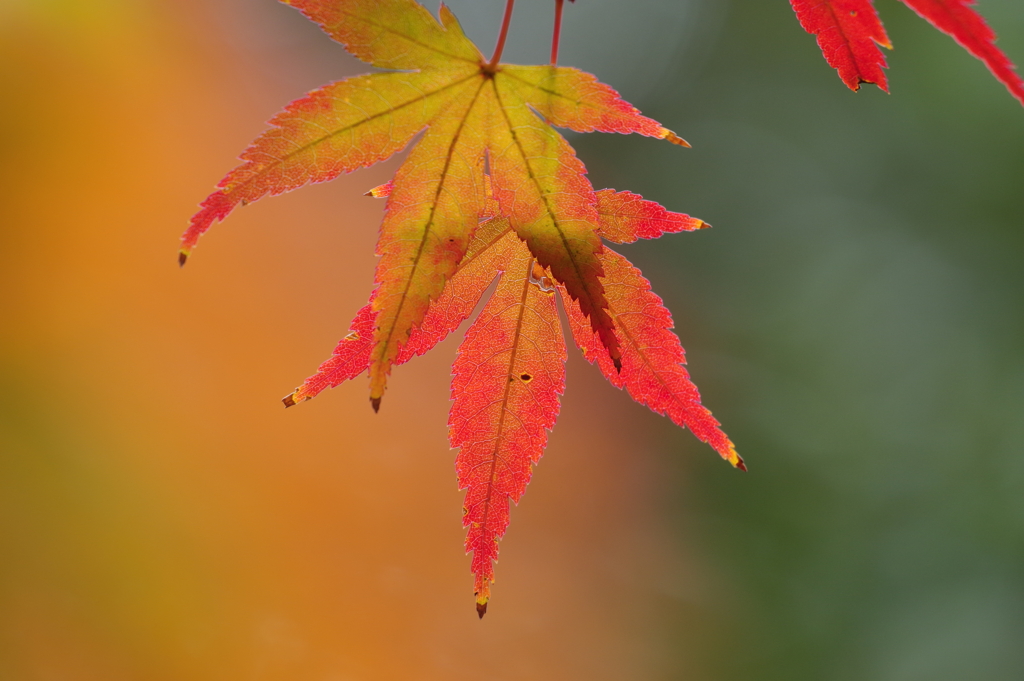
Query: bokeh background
{"x": 854, "y": 319}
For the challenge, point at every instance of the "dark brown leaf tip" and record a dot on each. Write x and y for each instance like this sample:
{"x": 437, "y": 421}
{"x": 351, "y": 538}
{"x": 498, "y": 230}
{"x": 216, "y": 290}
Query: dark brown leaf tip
{"x": 375, "y": 403}
{"x": 481, "y": 610}
{"x": 182, "y": 258}
{"x": 617, "y": 361}
{"x": 289, "y": 400}
{"x": 735, "y": 459}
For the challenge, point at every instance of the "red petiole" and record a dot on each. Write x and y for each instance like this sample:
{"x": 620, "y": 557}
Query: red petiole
{"x": 559, "y": 6}
{"x": 505, "y": 22}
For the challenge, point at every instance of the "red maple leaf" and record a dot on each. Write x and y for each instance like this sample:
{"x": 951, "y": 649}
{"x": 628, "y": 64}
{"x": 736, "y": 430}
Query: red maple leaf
{"x": 849, "y": 32}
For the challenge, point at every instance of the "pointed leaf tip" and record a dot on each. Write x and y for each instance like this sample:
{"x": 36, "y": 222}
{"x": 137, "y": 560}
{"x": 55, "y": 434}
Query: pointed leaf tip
{"x": 625, "y": 217}
{"x": 958, "y": 19}
{"x": 182, "y": 258}
{"x": 289, "y": 400}
{"x": 670, "y": 136}
{"x": 481, "y": 609}
{"x": 375, "y": 403}
{"x": 381, "y": 191}
{"x": 736, "y": 461}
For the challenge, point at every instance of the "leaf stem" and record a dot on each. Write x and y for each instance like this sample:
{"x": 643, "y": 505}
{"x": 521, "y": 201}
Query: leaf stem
{"x": 500, "y": 47}
{"x": 559, "y": 6}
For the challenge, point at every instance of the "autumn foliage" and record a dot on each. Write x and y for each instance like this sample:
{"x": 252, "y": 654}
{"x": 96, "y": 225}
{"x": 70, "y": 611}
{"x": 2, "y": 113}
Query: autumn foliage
{"x": 490, "y": 189}
{"x": 490, "y": 194}
{"x": 850, "y": 32}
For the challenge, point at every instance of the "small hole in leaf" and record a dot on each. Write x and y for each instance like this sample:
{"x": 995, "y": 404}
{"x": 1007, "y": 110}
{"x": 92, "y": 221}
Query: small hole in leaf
{"x": 526, "y": 378}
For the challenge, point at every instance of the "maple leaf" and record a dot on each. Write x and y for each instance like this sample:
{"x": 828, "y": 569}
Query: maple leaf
{"x": 849, "y": 32}
{"x": 508, "y": 374}
{"x": 490, "y": 190}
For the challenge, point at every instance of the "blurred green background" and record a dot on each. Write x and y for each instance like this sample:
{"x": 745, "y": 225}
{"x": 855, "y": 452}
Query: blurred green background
{"x": 854, "y": 320}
